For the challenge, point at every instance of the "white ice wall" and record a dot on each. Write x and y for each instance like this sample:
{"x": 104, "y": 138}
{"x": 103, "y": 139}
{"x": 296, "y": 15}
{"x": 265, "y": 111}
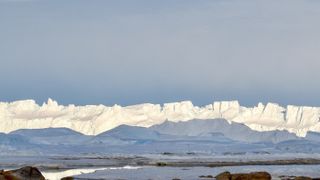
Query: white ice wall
{"x": 95, "y": 119}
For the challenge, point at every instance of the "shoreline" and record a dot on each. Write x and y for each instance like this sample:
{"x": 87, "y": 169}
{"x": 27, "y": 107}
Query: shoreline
{"x": 67, "y": 163}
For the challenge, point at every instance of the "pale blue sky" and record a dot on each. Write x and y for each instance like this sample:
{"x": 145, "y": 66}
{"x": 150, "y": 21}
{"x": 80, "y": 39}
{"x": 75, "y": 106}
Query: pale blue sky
{"x": 135, "y": 51}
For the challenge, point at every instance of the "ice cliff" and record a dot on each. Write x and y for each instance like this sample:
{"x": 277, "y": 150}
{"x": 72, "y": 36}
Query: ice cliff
{"x": 95, "y": 119}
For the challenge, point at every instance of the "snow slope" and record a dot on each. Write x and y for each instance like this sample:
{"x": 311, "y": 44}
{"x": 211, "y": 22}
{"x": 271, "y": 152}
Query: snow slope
{"x": 95, "y": 119}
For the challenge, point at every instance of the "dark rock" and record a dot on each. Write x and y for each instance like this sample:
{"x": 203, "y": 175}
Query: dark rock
{"x": 161, "y": 164}
{"x": 208, "y": 176}
{"x": 302, "y": 178}
{"x": 260, "y": 176}
{"x": 68, "y": 178}
{"x": 224, "y": 176}
{"x": 244, "y": 176}
{"x": 25, "y": 173}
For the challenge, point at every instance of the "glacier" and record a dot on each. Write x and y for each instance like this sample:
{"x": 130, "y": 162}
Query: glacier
{"x": 95, "y": 119}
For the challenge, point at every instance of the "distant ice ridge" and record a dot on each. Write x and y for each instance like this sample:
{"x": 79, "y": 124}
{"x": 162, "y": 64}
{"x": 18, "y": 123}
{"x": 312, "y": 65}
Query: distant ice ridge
{"x": 95, "y": 119}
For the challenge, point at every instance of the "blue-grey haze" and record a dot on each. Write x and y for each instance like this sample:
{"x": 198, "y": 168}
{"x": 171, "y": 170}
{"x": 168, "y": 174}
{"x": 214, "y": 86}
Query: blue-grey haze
{"x": 135, "y": 51}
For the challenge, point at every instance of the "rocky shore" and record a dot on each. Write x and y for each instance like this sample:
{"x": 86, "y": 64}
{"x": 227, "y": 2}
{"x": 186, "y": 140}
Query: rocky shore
{"x": 33, "y": 173}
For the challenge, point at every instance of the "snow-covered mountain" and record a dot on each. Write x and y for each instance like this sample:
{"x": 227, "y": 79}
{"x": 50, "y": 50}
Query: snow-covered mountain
{"x": 52, "y": 136}
{"x": 95, "y": 119}
{"x": 202, "y": 136}
{"x": 232, "y": 130}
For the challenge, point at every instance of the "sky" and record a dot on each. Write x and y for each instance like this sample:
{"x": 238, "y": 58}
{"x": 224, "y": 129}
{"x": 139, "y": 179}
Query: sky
{"x": 156, "y": 51}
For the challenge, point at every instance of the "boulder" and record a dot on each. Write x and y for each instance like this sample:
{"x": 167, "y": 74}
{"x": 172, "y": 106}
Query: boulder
{"x": 25, "y": 173}
{"x": 244, "y": 176}
{"x": 224, "y": 176}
